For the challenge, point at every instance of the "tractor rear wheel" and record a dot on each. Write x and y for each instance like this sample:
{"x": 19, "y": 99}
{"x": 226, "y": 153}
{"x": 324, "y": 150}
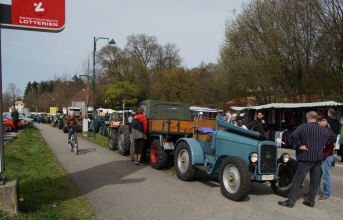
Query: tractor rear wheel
{"x": 183, "y": 162}
{"x": 158, "y": 157}
{"x": 112, "y": 140}
{"x": 234, "y": 178}
{"x": 283, "y": 185}
{"x": 124, "y": 140}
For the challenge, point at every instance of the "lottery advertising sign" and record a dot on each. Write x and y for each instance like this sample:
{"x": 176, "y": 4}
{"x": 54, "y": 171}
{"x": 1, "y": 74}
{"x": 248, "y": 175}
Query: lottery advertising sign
{"x": 40, "y": 15}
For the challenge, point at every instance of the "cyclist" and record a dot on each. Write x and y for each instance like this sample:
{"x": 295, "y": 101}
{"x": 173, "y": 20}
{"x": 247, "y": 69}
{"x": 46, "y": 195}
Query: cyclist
{"x": 71, "y": 124}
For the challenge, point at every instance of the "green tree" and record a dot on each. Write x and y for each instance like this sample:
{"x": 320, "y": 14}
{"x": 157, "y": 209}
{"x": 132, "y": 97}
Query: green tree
{"x": 271, "y": 51}
{"x": 178, "y": 84}
{"x": 117, "y": 93}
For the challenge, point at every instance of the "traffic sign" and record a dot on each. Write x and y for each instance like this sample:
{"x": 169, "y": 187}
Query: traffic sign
{"x": 38, "y": 15}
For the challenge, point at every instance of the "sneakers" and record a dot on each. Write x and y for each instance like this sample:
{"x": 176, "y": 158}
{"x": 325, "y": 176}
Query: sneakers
{"x": 138, "y": 163}
{"x": 322, "y": 198}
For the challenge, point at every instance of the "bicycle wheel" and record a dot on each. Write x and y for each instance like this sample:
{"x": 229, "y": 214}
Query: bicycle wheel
{"x": 76, "y": 145}
{"x": 70, "y": 144}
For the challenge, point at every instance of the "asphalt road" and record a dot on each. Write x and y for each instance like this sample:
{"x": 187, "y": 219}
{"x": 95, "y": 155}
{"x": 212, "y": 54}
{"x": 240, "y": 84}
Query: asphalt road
{"x": 117, "y": 189}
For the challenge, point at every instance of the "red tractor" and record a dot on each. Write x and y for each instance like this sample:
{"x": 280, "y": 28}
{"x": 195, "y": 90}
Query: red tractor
{"x": 120, "y": 133}
{"x": 76, "y": 112}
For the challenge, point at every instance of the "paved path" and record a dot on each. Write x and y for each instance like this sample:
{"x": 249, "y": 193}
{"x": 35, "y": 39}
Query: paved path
{"x": 117, "y": 189}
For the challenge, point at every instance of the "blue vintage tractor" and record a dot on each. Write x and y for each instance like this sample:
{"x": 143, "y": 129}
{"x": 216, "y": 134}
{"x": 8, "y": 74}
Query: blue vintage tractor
{"x": 237, "y": 155}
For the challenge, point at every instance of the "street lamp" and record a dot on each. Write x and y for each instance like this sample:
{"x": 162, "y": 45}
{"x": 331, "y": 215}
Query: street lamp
{"x": 75, "y": 77}
{"x": 94, "y": 54}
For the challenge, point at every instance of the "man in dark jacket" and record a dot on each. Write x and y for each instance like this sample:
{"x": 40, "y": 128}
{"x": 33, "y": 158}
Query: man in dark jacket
{"x": 15, "y": 118}
{"x": 333, "y": 121}
{"x": 311, "y": 139}
{"x": 335, "y": 127}
{"x": 258, "y": 125}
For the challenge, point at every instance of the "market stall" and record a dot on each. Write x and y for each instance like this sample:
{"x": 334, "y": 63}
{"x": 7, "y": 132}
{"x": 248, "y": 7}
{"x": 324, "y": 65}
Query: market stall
{"x": 282, "y": 117}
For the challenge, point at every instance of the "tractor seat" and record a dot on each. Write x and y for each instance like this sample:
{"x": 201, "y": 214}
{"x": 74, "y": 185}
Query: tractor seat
{"x": 205, "y": 130}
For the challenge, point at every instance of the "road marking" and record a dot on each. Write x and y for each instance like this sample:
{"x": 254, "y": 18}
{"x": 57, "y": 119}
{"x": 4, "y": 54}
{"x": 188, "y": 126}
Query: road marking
{"x": 338, "y": 165}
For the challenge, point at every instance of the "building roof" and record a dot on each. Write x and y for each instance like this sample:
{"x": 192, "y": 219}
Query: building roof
{"x": 83, "y": 95}
{"x": 289, "y": 105}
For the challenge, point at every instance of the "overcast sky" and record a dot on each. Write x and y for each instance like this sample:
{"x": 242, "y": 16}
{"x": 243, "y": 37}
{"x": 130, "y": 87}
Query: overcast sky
{"x": 196, "y": 26}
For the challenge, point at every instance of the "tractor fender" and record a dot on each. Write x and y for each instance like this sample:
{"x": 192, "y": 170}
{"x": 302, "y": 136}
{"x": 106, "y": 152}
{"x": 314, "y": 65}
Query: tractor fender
{"x": 196, "y": 150}
{"x": 216, "y": 166}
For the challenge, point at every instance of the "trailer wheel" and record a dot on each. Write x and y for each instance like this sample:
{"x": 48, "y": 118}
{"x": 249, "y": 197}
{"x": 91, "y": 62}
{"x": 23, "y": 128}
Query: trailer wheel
{"x": 158, "y": 157}
{"x": 112, "y": 140}
{"x": 183, "y": 162}
{"x": 283, "y": 185}
{"x": 124, "y": 142}
{"x": 234, "y": 177}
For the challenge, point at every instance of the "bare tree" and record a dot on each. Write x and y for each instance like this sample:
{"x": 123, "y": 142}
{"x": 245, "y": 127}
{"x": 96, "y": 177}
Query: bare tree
{"x": 142, "y": 48}
{"x": 13, "y": 93}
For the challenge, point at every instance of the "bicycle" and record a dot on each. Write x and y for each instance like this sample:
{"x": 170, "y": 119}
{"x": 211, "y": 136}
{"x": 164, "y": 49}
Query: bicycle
{"x": 73, "y": 142}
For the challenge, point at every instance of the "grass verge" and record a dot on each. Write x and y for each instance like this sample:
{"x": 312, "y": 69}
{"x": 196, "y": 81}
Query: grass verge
{"x": 99, "y": 139}
{"x": 45, "y": 190}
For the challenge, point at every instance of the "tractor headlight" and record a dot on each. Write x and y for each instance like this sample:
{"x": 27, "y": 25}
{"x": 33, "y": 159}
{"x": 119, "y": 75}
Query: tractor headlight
{"x": 253, "y": 157}
{"x": 285, "y": 157}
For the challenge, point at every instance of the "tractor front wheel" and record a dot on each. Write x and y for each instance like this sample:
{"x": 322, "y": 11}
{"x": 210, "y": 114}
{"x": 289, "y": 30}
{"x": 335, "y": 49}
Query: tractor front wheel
{"x": 283, "y": 184}
{"x": 234, "y": 177}
{"x": 158, "y": 157}
{"x": 112, "y": 140}
{"x": 183, "y": 162}
{"x": 124, "y": 140}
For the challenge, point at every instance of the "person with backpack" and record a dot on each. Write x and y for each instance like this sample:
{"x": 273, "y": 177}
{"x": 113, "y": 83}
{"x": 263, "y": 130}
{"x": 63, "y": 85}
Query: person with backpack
{"x": 139, "y": 134}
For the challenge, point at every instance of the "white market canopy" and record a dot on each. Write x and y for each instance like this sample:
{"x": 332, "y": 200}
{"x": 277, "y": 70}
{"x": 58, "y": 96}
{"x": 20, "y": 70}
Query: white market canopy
{"x": 202, "y": 109}
{"x": 289, "y": 105}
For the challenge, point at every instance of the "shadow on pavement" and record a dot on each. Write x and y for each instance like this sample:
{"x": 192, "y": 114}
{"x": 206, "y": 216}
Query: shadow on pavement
{"x": 112, "y": 173}
{"x": 46, "y": 191}
{"x": 86, "y": 150}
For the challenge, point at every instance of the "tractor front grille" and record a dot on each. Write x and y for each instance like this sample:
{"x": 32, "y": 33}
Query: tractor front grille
{"x": 268, "y": 159}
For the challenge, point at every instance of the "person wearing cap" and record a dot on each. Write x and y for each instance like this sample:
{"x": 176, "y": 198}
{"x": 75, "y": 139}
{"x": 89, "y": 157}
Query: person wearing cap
{"x": 328, "y": 160}
{"x": 240, "y": 122}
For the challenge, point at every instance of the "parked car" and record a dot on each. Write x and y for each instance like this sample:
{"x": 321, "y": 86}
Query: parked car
{"x": 25, "y": 117}
{"x": 7, "y": 126}
{"x": 10, "y": 123}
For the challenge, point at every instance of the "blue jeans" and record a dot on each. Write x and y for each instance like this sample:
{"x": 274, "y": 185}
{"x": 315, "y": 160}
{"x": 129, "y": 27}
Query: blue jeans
{"x": 326, "y": 176}
{"x": 70, "y": 132}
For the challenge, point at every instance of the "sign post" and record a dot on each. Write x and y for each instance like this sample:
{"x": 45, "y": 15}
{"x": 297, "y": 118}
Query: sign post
{"x": 32, "y": 15}
{"x": 2, "y": 161}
